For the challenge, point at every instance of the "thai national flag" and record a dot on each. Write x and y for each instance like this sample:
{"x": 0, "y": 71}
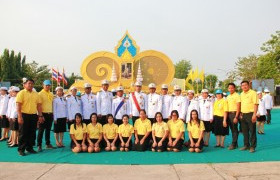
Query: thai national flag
{"x": 64, "y": 78}
{"x": 54, "y": 74}
{"x": 59, "y": 77}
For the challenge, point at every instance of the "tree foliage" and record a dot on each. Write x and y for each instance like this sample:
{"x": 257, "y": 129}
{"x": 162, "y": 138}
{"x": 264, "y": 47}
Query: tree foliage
{"x": 182, "y": 69}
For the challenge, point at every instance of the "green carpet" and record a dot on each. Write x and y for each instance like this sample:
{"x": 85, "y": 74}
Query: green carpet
{"x": 268, "y": 149}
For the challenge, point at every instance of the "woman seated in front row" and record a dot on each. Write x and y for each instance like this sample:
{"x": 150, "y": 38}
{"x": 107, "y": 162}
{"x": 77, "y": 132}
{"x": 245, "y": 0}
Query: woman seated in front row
{"x": 110, "y": 134}
{"x": 125, "y": 131}
{"x": 176, "y": 132}
{"x": 160, "y": 134}
{"x": 78, "y": 134}
{"x": 195, "y": 129}
{"x": 94, "y": 134}
{"x": 142, "y": 132}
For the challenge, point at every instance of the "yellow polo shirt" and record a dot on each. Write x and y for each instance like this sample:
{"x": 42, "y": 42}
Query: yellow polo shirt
{"x": 79, "y": 131}
{"x": 232, "y": 100}
{"x": 29, "y": 101}
{"x": 142, "y": 127}
{"x": 195, "y": 130}
{"x": 94, "y": 131}
{"x": 248, "y": 101}
{"x": 176, "y": 128}
{"x": 220, "y": 107}
{"x": 126, "y": 130}
{"x": 47, "y": 101}
{"x": 160, "y": 129}
{"x": 110, "y": 130}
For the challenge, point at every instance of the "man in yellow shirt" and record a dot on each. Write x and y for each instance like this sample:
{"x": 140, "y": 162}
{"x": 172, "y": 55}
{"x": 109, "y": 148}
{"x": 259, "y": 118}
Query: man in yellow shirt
{"x": 28, "y": 104}
{"x": 249, "y": 108}
{"x": 47, "y": 108}
{"x": 233, "y": 100}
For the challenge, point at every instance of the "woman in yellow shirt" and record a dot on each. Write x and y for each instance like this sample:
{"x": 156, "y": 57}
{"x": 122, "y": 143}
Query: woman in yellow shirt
{"x": 78, "y": 134}
{"x": 142, "y": 131}
{"x": 160, "y": 134}
{"x": 94, "y": 134}
{"x": 125, "y": 134}
{"x": 220, "y": 128}
{"x": 110, "y": 134}
{"x": 195, "y": 129}
{"x": 176, "y": 132}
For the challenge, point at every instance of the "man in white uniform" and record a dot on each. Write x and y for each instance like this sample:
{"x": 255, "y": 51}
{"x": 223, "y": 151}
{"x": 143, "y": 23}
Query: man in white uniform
{"x": 166, "y": 102}
{"x": 192, "y": 104}
{"x": 137, "y": 101}
{"x": 104, "y": 102}
{"x": 120, "y": 106}
{"x": 179, "y": 103}
{"x": 88, "y": 104}
{"x": 268, "y": 104}
{"x": 73, "y": 106}
{"x": 154, "y": 103}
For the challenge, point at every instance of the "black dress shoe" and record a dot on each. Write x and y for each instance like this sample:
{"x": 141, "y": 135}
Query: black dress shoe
{"x": 14, "y": 145}
{"x": 32, "y": 151}
{"x": 21, "y": 153}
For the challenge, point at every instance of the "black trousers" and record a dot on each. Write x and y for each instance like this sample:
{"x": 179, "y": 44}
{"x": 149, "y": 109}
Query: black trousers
{"x": 102, "y": 120}
{"x": 118, "y": 121}
{"x": 249, "y": 130}
{"x": 268, "y": 116}
{"x": 134, "y": 118}
{"x": 45, "y": 126}
{"x": 27, "y": 132}
{"x": 233, "y": 128}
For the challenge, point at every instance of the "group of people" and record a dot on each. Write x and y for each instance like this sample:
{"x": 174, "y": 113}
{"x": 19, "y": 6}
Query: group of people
{"x": 159, "y": 121}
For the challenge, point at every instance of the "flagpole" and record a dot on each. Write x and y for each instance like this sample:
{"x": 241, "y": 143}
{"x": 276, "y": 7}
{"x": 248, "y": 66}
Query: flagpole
{"x": 52, "y": 79}
{"x": 63, "y": 77}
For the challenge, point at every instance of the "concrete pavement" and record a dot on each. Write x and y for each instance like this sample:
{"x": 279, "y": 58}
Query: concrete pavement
{"x": 30, "y": 171}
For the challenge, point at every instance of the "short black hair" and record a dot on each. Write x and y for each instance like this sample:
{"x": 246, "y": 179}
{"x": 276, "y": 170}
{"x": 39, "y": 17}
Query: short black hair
{"x": 231, "y": 84}
{"x": 28, "y": 79}
{"x": 245, "y": 81}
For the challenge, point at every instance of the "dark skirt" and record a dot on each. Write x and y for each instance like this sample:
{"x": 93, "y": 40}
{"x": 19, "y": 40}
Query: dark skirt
{"x": 179, "y": 144}
{"x": 208, "y": 126}
{"x": 72, "y": 144}
{"x": 201, "y": 144}
{"x": 261, "y": 118}
{"x": 4, "y": 122}
{"x": 141, "y": 147}
{"x": 164, "y": 144}
{"x": 125, "y": 140}
{"x": 14, "y": 125}
{"x": 219, "y": 129}
{"x": 60, "y": 125}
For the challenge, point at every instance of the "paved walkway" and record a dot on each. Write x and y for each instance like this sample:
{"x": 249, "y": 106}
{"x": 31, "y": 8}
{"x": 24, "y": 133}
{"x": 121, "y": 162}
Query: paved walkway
{"x": 30, "y": 171}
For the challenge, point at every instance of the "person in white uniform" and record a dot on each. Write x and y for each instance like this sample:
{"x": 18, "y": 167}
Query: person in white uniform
{"x": 268, "y": 104}
{"x": 192, "y": 104}
{"x": 74, "y": 106}
{"x": 120, "y": 106}
{"x": 88, "y": 103}
{"x": 206, "y": 115}
{"x": 137, "y": 101}
{"x": 179, "y": 103}
{"x": 261, "y": 113}
{"x": 154, "y": 102}
{"x": 104, "y": 102}
{"x": 4, "y": 100}
{"x": 166, "y": 102}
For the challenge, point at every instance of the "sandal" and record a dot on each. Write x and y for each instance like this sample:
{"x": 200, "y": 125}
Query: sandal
{"x": 217, "y": 146}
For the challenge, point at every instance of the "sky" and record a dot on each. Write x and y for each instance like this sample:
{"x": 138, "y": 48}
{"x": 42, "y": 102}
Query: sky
{"x": 211, "y": 34}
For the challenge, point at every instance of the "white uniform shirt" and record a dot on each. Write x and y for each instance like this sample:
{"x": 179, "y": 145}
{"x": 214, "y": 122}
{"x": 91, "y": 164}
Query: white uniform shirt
{"x": 206, "y": 109}
{"x": 154, "y": 104}
{"x": 142, "y": 101}
{"x": 74, "y": 106}
{"x": 261, "y": 108}
{"x": 268, "y": 101}
{"x": 179, "y": 103}
{"x": 88, "y": 105}
{"x": 166, "y": 104}
{"x": 193, "y": 104}
{"x": 4, "y": 100}
{"x": 124, "y": 108}
{"x": 59, "y": 108}
{"x": 12, "y": 108}
{"x": 104, "y": 102}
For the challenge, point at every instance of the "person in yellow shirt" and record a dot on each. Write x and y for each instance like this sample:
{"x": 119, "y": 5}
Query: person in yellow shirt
{"x": 220, "y": 119}
{"x": 142, "y": 131}
{"x": 28, "y": 105}
{"x": 195, "y": 128}
{"x": 249, "y": 108}
{"x": 110, "y": 134}
{"x": 176, "y": 132}
{"x": 47, "y": 109}
{"x": 94, "y": 134}
{"x": 78, "y": 134}
{"x": 233, "y": 100}
{"x": 160, "y": 133}
{"x": 125, "y": 131}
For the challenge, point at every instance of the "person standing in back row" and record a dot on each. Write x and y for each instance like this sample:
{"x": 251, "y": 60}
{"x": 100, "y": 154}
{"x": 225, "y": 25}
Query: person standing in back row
{"x": 88, "y": 104}
{"x": 268, "y": 104}
{"x": 154, "y": 103}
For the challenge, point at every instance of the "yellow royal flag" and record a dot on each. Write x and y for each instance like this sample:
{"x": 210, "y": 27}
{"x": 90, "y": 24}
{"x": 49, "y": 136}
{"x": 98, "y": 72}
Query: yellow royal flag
{"x": 201, "y": 76}
{"x": 195, "y": 74}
